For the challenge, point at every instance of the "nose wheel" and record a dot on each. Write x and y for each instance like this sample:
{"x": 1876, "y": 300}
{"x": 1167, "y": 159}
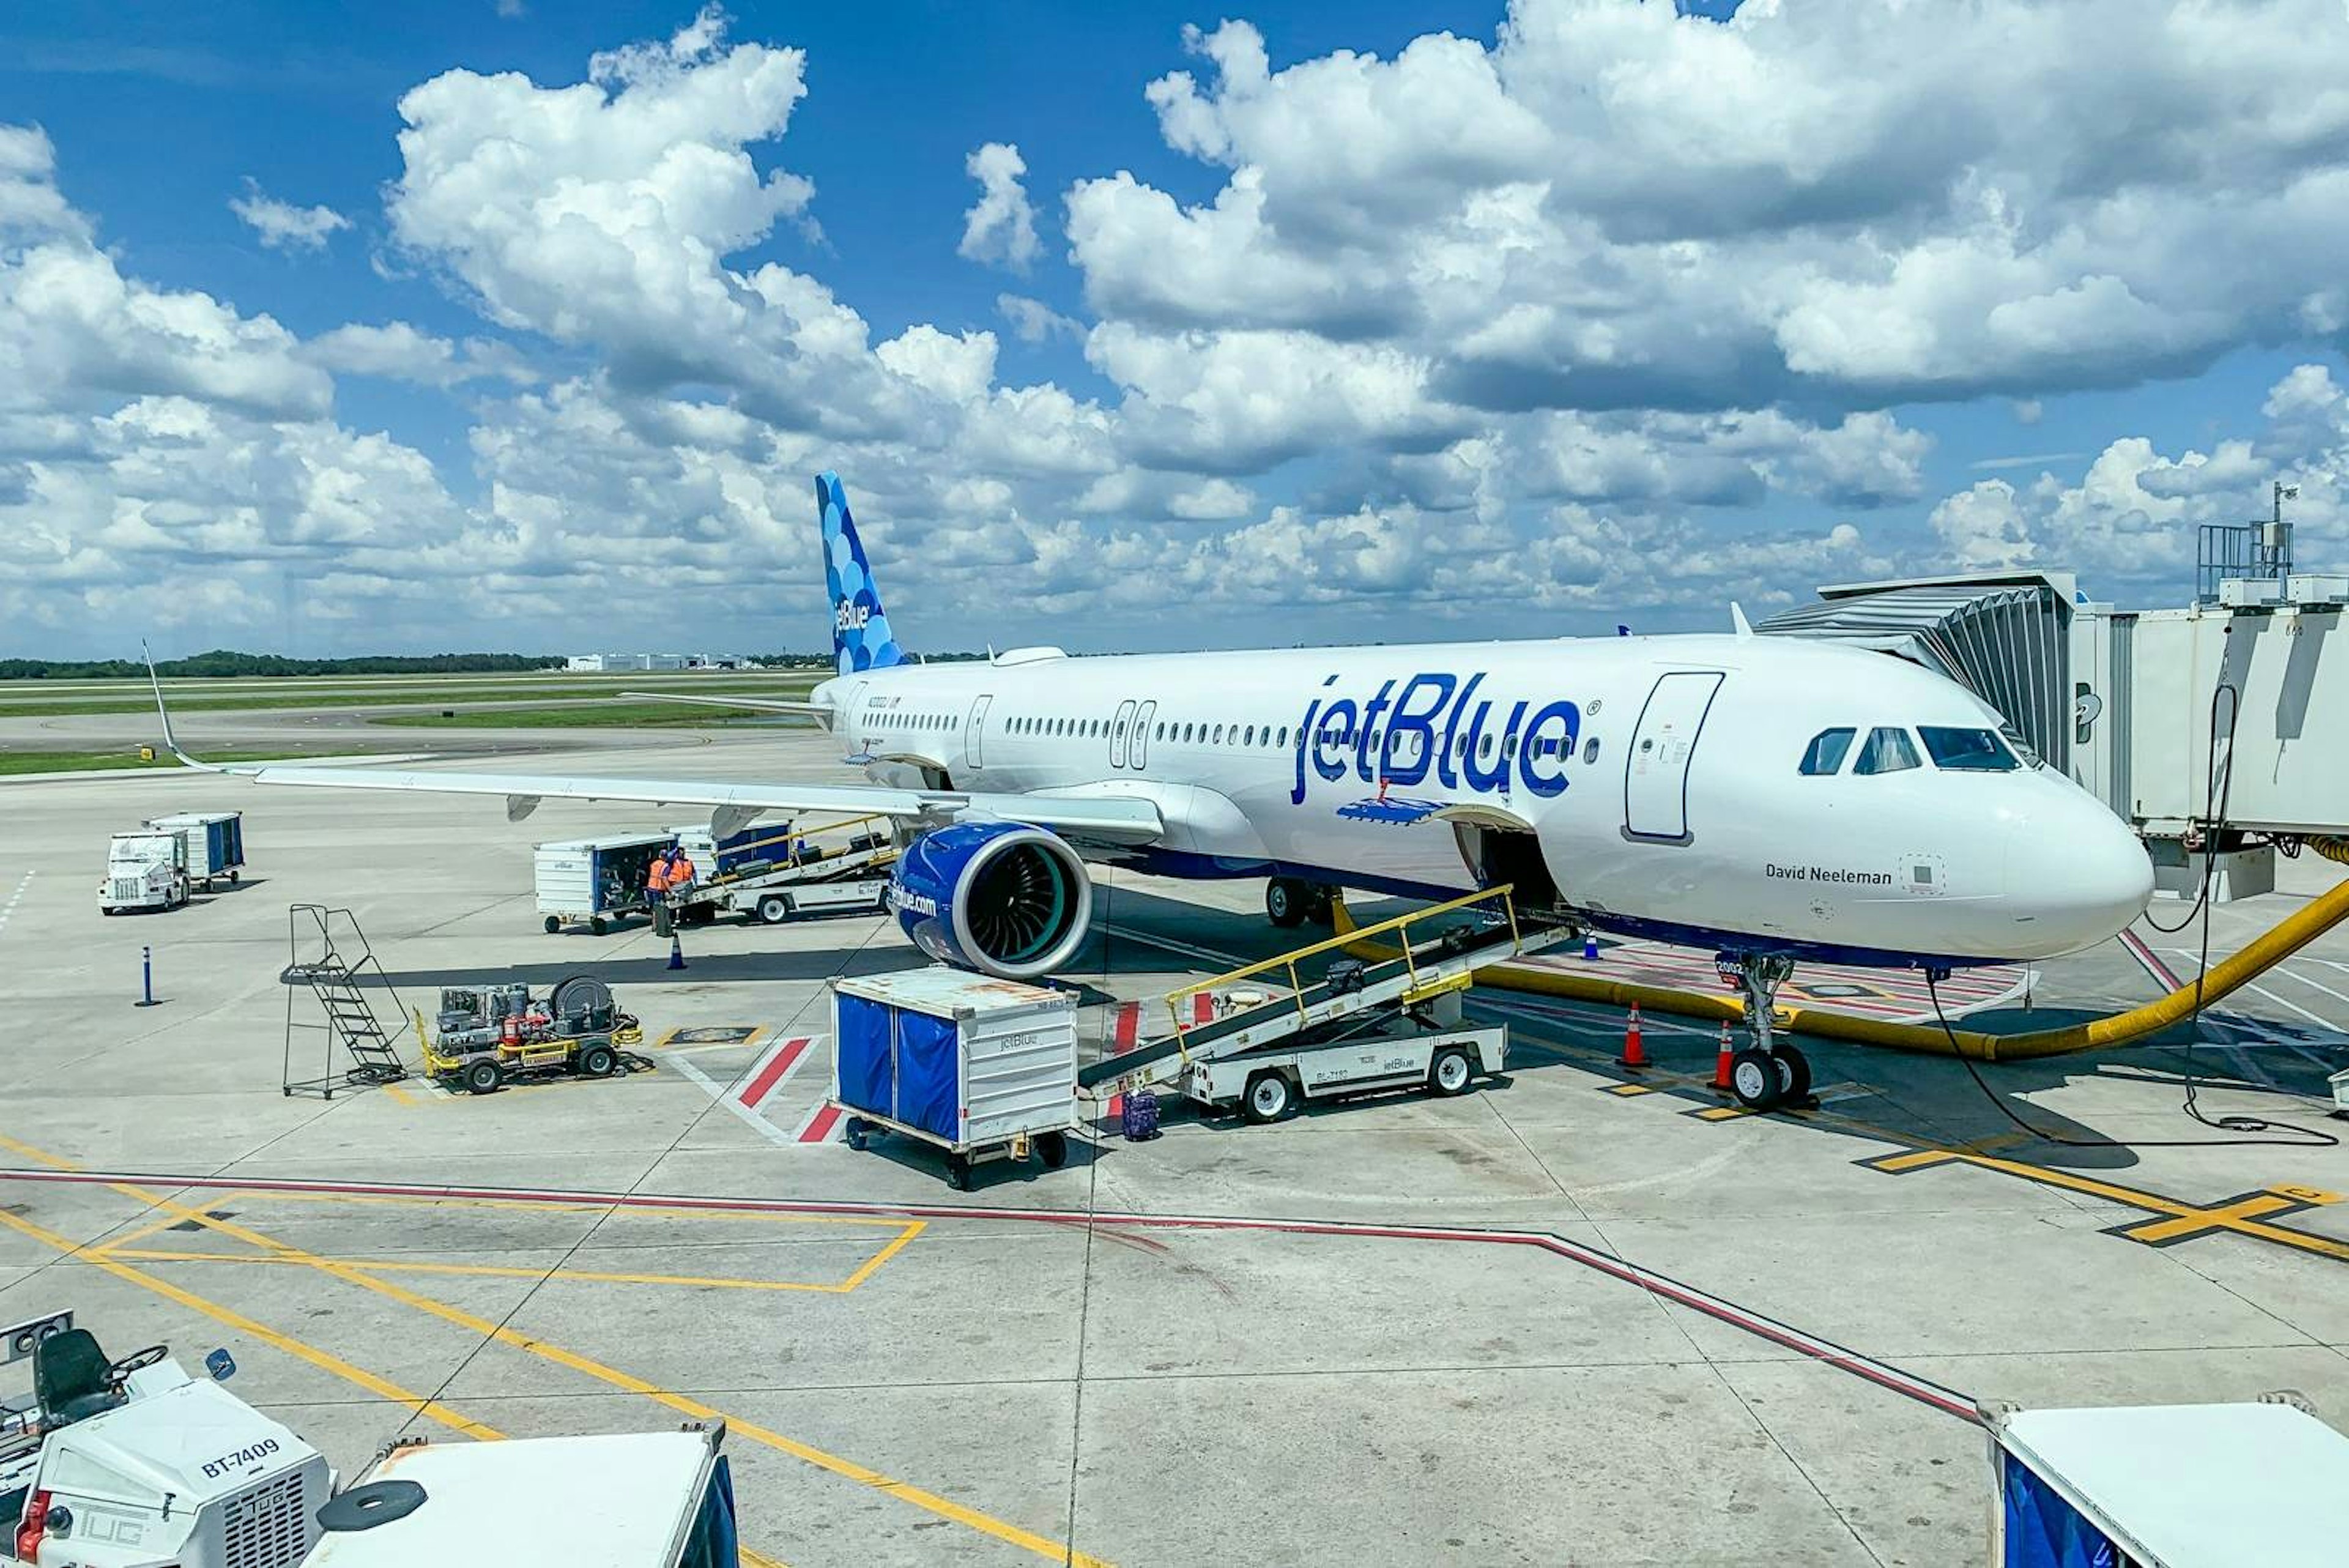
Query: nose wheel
{"x": 1770, "y": 1072}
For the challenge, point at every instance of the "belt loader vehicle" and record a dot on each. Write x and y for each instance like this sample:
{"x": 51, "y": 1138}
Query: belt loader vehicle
{"x": 134, "y": 1463}
{"x": 147, "y": 869}
{"x": 773, "y": 874}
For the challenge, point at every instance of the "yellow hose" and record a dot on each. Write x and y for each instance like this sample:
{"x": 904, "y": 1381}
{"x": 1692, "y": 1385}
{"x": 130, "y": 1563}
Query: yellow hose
{"x": 2287, "y": 936}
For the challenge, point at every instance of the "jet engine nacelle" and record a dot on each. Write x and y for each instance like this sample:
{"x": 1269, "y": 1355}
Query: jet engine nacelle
{"x": 1001, "y": 897}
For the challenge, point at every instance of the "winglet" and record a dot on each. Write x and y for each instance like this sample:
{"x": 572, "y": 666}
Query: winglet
{"x": 1737, "y": 621}
{"x": 170, "y": 742}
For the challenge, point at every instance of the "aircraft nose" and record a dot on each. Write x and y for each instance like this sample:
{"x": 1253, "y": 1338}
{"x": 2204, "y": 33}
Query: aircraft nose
{"x": 2081, "y": 873}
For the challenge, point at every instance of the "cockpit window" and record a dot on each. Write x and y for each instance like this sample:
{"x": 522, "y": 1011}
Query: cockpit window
{"x": 1827, "y": 751}
{"x": 1966, "y": 751}
{"x": 1888, "y": 750}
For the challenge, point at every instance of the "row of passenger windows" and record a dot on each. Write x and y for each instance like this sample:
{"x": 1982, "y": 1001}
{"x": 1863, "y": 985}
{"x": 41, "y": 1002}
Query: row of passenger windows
{"x": 1889, "y": 749}
{"x": 903, "y": 723}
{"x": 1407, "y": 746}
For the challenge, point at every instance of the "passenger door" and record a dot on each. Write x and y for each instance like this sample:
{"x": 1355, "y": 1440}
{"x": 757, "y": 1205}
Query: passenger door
{"x": 1655, "y": 770}
{"x": 973, "y": 734}
{"x": 1117, "y": 731}
{"x": 1138, "y": 752}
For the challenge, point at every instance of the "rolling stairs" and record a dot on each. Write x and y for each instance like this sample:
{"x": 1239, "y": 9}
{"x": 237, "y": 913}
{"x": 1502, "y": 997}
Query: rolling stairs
{"x": 328, "y": 957}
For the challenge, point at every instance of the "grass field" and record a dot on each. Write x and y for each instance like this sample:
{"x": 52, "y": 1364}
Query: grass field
{"x": 23, "y": 699}
{"x": 584, "y": 715}
{"x": 91, "y": 761}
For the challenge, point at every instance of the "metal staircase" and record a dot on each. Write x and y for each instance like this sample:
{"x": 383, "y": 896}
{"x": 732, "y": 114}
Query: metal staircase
{"x": 1428, "y": 964}
{"x": 329, "y": 955}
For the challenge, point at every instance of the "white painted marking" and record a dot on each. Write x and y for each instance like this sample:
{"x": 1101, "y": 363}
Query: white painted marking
{"x": 14, "y": 899}
{"x": 2291, "y": 974}
{"x": 1185, "y": 948}
{"x": 718, "y": 1091}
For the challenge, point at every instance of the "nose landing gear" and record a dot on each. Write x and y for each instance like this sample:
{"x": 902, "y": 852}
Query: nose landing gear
{"x": 1769, "y": 1071}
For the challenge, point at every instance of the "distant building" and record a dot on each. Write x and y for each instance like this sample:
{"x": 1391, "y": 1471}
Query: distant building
{"x": 617, "y": 663}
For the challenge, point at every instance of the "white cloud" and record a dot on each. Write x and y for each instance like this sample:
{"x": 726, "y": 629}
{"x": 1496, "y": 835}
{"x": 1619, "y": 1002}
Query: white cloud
{"x": 399, "y": 351}
{"x": 1000, "y": 225}
{"x": 282, "y": 225}
{"x": 1033, "y": 321}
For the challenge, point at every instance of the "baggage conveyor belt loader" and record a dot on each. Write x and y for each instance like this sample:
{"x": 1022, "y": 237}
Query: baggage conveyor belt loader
{"x": 774, "y": 873}
{"x": 1361, "y": 1027}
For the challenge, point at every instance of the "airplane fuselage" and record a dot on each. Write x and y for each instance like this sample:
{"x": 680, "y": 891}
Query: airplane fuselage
{"x": 1674, "y": 786}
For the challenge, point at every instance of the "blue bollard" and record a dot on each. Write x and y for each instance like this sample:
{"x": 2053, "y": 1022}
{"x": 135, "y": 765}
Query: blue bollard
{"x": 146, "y": 977}
{"x": 1589, "y": 945}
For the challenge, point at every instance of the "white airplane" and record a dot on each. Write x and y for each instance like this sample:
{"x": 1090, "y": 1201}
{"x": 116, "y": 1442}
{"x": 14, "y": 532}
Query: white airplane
{"x": 1771, "y": 798}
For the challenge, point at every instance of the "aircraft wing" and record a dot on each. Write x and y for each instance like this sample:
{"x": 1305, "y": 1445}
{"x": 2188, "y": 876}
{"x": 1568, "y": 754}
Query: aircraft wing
{"x": 821, "y": 712}
{"x": 1098, "y": 818}
{"x": 1111, "y": 820}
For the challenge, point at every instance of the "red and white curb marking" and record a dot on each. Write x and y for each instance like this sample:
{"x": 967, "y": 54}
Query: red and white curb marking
{"x": 1826, "y": 1351}
{"x": 746, "y": 1093}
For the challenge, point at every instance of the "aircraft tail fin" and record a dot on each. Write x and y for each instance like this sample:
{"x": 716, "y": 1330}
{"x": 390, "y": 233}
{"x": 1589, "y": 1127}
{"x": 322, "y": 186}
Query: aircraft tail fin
{"x": 861, "y": 637}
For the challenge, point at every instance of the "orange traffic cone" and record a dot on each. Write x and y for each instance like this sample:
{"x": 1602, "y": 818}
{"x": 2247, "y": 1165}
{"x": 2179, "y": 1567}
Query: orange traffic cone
{"x": 1635, "y": 1052}
{"x": 1721, "y": 1062}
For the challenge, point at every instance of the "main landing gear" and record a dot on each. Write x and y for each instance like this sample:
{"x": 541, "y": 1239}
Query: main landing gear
{"x": 1769, "y": 1071}
{"x": 1290, "y": 901}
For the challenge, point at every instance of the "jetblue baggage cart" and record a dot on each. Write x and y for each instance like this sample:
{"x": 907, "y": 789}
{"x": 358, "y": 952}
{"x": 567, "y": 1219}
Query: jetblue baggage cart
{"x": 594, "y": 881}
{"x": 2169, "y": 1485}
{"x": 985, "y": 1069}
{"x": 215, "y": 841}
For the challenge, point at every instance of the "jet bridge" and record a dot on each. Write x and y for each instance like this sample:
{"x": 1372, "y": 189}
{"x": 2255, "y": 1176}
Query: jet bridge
{"x": 1434, "y": 956}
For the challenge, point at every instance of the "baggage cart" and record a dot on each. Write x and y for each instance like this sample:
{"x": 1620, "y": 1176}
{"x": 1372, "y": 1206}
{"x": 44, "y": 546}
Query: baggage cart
{"x": 2169, "y": 1485}
{"x": 215, "y": 841}
{"x": 594, "y": 881}
{"x": 984, "y": 1069}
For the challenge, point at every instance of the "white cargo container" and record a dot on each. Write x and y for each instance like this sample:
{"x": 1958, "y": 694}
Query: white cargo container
{"x": 215, "y": 841}
{"x": 144, "y": 870}
{"x": 594, "y": 880}
{"x": 984, "y": 1068}
{"x": 638, "y": 1500}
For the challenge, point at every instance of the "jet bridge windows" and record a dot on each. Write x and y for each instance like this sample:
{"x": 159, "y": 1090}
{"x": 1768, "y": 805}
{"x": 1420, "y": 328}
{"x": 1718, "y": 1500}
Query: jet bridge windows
{"x": 1888, "y": 750}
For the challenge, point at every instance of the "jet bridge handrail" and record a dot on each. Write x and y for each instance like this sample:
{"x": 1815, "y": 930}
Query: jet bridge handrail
{"x": 1346, "y": 938}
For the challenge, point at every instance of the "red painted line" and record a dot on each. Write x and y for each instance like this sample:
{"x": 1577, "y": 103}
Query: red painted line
{"x": 818, "y": 1127}
{"x": 2150, "y": 961}
{"x": 1116, "y": 1108}
{"x": 772, "y": 1071}
{"x": 1129, "y": 1024}
{"x": 1825, "y": 1351}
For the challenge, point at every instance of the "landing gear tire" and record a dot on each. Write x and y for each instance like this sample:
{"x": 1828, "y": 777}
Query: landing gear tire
{"x": 1267, "y": 1098}
{"x": 484, "y": 1078}
{"x": 1285, "y": 902}
{"x": 958, "y": 1172}
{"x": 1755, "y": 1080}
{"x": 774, "y": 909}
{"x": 1052, "y": 1148}
{"x": 1793, "y": 1075}
{"x": 1451, "y": 1073}
{"x": 552, "y": 924}
{"x": 1322, "y": 906}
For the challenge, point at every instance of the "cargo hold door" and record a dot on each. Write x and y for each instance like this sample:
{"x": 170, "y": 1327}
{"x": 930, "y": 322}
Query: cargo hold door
{"x": 1655, "y": 769}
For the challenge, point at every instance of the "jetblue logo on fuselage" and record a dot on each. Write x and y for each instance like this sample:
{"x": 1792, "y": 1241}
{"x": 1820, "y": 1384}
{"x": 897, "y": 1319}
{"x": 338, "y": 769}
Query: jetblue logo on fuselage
{"x": 852, "y": 615}
{"x": 1437, "y": 727}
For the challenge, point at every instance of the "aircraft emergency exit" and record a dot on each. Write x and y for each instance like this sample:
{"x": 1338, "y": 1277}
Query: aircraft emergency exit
{"x": 1771, "y": 798}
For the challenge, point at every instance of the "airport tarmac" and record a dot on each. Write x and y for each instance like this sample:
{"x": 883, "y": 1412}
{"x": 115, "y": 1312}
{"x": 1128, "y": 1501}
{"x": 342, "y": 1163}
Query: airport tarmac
{"x": 1574, "y": 1316}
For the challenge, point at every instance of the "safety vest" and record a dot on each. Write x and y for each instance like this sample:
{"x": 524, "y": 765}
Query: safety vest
{"x": 657, "y": 878}
{"x": 680, "y": 871}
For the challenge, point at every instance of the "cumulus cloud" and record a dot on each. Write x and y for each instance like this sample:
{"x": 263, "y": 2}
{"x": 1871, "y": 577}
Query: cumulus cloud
{"x": 1633, "y": 301}
{"x": 282, "y": 225}
{"x": 1000, "y": 225}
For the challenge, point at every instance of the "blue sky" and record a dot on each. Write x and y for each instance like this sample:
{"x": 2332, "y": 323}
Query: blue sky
{"x": 1596, "y": 313}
